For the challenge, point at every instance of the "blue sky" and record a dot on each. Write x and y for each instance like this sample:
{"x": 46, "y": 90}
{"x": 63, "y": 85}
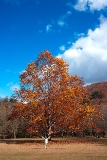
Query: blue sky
{"x": 75, "y": 30}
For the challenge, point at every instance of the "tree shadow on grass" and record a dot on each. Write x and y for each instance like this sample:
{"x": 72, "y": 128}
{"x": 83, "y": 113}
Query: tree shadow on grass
{"x": 93, "y": 140}
{"x": 19, "y": 141}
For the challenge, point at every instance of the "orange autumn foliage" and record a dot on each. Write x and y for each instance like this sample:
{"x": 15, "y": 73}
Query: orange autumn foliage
{"x": 50, "y": 98}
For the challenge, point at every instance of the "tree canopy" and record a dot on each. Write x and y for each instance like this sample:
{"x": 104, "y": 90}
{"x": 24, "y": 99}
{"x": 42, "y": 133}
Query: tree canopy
{"x": 50, "y": 98}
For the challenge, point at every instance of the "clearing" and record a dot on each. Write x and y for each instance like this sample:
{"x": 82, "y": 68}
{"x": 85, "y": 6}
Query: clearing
{"x": 58, "y": 149}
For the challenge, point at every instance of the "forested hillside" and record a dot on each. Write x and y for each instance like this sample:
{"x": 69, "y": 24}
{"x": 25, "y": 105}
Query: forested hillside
{"x": 98, "y": 93}
{"x": 98, "y": 97}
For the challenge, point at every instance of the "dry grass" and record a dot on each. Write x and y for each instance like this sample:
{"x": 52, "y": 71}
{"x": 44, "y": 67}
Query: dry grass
{"x": 75, "y": 149}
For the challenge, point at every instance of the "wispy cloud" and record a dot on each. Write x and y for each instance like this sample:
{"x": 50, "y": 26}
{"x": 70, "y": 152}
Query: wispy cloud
{"x": 87, "y": 57}
{"x": 48, "y": 28}
{"x": 69, "y": 4}
{"x": 17, "y": 2}
{"x": 8, "y": 71}
{"x": 40, "y": 31}
{"x": 60, "y": 22}
{"x": 62, "y": 19}
{"x": 62, "y": 48}
{"x": 83, "y": 5}
{"x": 13, "y": 86}
{"x": 10, "y": 84}
{"x": 2, "y": 96}
{"x": 37, "y": 1}
{"x": 12, "y": 1}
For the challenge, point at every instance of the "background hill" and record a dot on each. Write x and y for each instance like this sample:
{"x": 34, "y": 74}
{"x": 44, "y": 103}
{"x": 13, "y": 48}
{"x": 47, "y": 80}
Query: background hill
{"x": 98, "y": 93}
{"x": 98, "y": 97}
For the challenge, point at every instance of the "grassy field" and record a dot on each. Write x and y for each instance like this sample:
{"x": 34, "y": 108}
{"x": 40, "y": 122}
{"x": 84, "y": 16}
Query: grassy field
{"x": 58, "y": 149}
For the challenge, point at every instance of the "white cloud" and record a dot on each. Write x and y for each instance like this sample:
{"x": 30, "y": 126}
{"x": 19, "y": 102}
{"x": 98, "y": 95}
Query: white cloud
{"x": 87, "y": 57}
{"x": 62, "y": 48}
{"x": 83, "y": 5}
{"x": 48, "y": 27}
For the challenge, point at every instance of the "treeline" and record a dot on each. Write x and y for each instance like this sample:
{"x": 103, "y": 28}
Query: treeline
{"x": 9, "y": 128}
{"x": 19, "y": 128}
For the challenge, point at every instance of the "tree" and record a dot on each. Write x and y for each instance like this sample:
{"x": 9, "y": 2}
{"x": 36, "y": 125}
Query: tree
{"x": 50, "y": 98}
{"x": 8, "y": 127}
{"x": 3, "y": 120}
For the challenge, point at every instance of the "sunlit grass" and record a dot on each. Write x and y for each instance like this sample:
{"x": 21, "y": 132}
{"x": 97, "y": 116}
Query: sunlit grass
{"x": 58, "y": 149}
